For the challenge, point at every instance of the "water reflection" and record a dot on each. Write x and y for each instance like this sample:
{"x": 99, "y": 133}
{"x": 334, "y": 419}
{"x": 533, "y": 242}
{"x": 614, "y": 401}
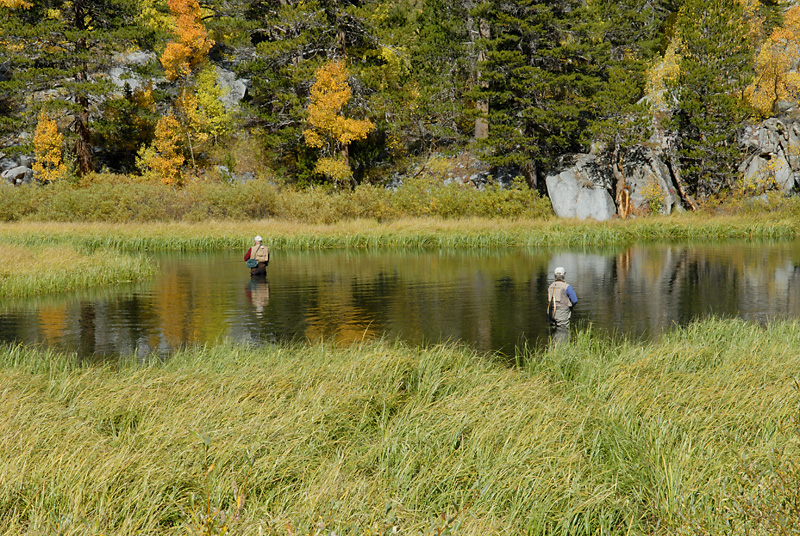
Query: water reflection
{"x": 492, "y": 299}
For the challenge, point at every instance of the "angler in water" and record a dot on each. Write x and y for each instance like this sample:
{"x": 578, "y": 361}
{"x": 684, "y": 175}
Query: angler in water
{"x": 257, "y": 257}
{"x": 561, "y": 298}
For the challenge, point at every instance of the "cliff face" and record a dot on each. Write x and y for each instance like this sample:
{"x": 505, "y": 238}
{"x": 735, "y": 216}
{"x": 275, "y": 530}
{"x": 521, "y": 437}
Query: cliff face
{"x": 587, "y": 185}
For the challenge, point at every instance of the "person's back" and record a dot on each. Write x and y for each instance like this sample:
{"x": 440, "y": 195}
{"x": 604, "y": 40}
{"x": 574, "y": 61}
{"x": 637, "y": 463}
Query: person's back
{"x": 561, "y": 298}
{"x": 260, "y": 254}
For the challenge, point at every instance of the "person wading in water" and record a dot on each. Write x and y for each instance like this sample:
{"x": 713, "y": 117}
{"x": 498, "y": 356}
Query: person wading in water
{"x": 257, "y": 257}
{"x": 561, "y": 298}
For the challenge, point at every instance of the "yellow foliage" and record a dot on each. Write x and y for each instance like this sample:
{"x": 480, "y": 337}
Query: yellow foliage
{"x": 775, "y": 78}
{"x": 336, "y": 168}
{"x": 151, "y": 17}
{"x": 654, "y": 196}
{"x": 216, "y": 120}
{"x": 15, "y": 4}
{"x": 761, "y": 182}
{"x": 330, "y": 130}
{"x": 668, "y": 68}
{"x": 163, "y": 159}
{"x": 182, "y": 56}
{"x": 662, "y": 73}
{"x": 48, "y": 143}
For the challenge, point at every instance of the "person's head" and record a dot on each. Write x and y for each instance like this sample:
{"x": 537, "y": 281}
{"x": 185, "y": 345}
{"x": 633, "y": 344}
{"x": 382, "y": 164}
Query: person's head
{"x": 257, "y": 239}
{"x": 560, "y": 273}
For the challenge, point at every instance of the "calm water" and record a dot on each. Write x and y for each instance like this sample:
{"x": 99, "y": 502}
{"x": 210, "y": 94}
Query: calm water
{"x": 492, "y": 299}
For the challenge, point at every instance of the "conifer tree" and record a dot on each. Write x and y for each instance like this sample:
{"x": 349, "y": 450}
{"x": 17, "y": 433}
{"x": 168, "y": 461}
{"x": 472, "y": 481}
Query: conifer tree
{"x": 538, "y": 81}
{"x": 715, "y": 54}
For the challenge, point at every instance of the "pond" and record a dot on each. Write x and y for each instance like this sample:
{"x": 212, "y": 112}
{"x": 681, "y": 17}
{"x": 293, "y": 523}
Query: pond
{"x": 492, "y": 299}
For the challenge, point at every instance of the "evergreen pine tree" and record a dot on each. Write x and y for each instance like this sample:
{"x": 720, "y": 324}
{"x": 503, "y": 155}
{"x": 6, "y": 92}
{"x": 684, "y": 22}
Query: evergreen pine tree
{"x": 716, "y": 53}
{"x": 538, "y": 81}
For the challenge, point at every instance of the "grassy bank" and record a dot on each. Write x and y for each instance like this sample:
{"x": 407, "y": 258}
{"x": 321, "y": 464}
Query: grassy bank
{"x": 27, "y": 270}
{"x": 689, "y": 435}
{"x": 405, "y": 233}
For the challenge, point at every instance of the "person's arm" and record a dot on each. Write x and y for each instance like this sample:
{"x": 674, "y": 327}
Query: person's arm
{"x": 573, "y": 298}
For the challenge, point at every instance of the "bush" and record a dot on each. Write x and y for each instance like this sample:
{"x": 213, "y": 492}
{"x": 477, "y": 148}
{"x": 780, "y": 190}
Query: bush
{"x": 116, "y": 199}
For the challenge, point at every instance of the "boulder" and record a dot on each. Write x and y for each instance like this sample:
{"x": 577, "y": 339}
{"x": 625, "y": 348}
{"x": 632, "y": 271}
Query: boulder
{"x": 18, "y": 175}
{"x": 235, "y": 88}
{"x": 579, "y": 191}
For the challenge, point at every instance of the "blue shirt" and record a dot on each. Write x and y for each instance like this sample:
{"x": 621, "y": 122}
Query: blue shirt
{"x": 571, "y": 295}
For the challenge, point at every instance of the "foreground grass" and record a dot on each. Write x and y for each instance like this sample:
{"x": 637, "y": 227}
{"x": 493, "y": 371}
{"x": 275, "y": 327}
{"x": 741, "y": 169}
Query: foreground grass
{"x": 592, "y": 438}
{"x": 412, "y": 232}
{"x": 26, "y": 270}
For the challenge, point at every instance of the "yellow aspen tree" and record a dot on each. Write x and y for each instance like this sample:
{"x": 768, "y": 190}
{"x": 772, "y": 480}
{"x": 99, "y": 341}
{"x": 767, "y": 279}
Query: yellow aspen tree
{"x": 667, "y": 68}
{"x": 48, "y": 145}
{"x": 163, "y": 158}
{"x": 15, "y": 4}
{"x": 182, "y": 56}
{"x": 216, "y": 119}
{"x": 192, "y": 122}
{"x": 776, "y": 79}
{"x": 330, "y": 131}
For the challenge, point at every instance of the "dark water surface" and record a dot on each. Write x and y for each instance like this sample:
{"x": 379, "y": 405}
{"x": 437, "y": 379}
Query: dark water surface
{"x": 493, "y": 299}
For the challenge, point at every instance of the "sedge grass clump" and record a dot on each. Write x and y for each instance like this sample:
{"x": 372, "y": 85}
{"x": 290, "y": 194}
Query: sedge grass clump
{"x": 28, "y": 271}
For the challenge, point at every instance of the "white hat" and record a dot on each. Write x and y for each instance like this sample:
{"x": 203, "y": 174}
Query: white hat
{"x": 560, "y": 271}
{"x": 257, "y": 239}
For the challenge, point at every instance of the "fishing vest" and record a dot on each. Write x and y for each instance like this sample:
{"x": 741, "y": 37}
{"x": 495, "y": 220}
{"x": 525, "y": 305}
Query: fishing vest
{"x": 557, "y": 293}
{"x": 260, "y": 253}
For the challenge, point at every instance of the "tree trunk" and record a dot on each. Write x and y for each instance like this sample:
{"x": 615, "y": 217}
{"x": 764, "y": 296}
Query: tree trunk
{"x": 675, "y": 166}
{"x": 622, "y": 196}
{"x": 482, "y": 121}
{"x": 83, "y": 145}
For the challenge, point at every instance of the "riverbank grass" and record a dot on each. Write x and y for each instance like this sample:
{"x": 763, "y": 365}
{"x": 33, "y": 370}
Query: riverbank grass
{"x": 688, "y": 435}
{"x": 404, "y": 233}
{"x": 31, "y": 270}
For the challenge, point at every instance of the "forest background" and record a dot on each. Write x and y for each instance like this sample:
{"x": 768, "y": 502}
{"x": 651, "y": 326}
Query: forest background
{"x": 353, "y": 93}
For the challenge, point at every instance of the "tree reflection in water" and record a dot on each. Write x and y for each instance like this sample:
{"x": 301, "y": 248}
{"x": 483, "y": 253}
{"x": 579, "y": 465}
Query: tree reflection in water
{"x": 492, "y": 299}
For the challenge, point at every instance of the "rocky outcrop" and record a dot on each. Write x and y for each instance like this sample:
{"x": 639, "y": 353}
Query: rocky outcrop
{"x": 18, "y": 175}
{"x": 17, "y": 170}
{"x": 774, "y": 155}
{"x": 649, "y": 179}
{"x": 581, "y": 190}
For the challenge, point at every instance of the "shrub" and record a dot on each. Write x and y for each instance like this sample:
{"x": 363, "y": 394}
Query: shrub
{"x": 117, "y": 198}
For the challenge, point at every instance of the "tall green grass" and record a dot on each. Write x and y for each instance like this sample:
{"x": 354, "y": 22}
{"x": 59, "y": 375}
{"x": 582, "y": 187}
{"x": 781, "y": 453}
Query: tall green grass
{"x": 405, "y": 233}
{"x": 27, "y": 270}
{"x": 595, "y": 437}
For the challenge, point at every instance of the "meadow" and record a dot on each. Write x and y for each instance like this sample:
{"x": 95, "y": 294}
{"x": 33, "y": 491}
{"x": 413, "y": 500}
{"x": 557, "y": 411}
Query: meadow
{"x": 694, "y": 434}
